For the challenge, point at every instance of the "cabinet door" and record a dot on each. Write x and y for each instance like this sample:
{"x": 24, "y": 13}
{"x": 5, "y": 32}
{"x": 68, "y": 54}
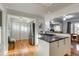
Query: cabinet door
{"x": 64, "y": 46}
{"x": 60, "y": 48}
{"x": 54, "y": 48}
{"x": 43, "y": 49}
{"x": 68, "y": 45}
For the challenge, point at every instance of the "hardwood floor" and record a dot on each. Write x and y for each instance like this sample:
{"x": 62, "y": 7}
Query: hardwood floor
{"x": 75, "y": 49}
{"x": 22, "y": 48}
{"x": 74, "y": 45}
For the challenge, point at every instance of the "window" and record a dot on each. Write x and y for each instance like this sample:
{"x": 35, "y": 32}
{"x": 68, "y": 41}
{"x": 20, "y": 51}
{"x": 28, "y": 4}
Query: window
{"x": 57, "y": 28}
{"x": 75, "y": 28}
{"x": 19, "y": 27}
{"x": 15, "y": 28}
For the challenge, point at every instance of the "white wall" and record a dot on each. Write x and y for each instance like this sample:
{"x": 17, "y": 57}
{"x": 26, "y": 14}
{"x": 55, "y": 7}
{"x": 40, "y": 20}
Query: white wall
{"x": 4, "y": 42}
{"x": 70, "y": 9}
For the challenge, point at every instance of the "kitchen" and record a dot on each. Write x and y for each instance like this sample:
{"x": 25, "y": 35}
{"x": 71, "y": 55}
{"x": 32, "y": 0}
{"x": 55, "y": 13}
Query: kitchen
{"x": 63, "y": 33}
{"x": 55, "y": 42}
{"x": 55, "y": 31}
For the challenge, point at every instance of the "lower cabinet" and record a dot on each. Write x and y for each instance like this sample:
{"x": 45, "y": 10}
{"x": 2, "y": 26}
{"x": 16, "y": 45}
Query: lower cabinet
{"x": 57, "y": 48}
{"x": 54, "y": 49}
{"x": 60, "y": 48}
{"x": 43, "y": 48}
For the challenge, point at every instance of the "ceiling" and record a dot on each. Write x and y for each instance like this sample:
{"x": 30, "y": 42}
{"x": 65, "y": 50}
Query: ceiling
{"x": 74, "y": 16}
{"x": 36, "y": 8}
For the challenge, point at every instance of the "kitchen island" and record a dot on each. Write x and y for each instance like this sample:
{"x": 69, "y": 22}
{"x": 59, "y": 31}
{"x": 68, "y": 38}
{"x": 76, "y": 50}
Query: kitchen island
{"x": 54, "y": 44}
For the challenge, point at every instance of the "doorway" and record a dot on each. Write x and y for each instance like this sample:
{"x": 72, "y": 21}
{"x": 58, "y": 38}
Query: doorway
{"x": 73, "y": 29}
{"x": 21, "y": 36}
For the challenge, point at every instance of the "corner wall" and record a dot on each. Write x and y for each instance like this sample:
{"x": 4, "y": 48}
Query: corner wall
{"x": 4, "y": 40}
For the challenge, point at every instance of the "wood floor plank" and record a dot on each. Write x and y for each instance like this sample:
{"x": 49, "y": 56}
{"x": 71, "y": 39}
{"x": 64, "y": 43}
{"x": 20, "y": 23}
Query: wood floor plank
{"x": 23, "y": 48}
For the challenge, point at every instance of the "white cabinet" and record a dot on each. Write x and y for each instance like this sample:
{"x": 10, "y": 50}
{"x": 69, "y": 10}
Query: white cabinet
{"x": 60, "y": 48}
{"x": 54, "y": 48}
{"x": 57, "y": 48}
{"x": 43, "y": 48}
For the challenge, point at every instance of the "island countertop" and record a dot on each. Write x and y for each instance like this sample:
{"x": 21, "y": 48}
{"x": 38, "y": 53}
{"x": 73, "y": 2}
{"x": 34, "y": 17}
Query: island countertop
{"x": 52, "y": 37}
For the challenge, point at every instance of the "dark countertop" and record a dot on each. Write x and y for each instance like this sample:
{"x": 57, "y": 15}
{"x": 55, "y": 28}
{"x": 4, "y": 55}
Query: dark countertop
{"x": 50, "y": 34}
{"x": 51, "y": 39}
